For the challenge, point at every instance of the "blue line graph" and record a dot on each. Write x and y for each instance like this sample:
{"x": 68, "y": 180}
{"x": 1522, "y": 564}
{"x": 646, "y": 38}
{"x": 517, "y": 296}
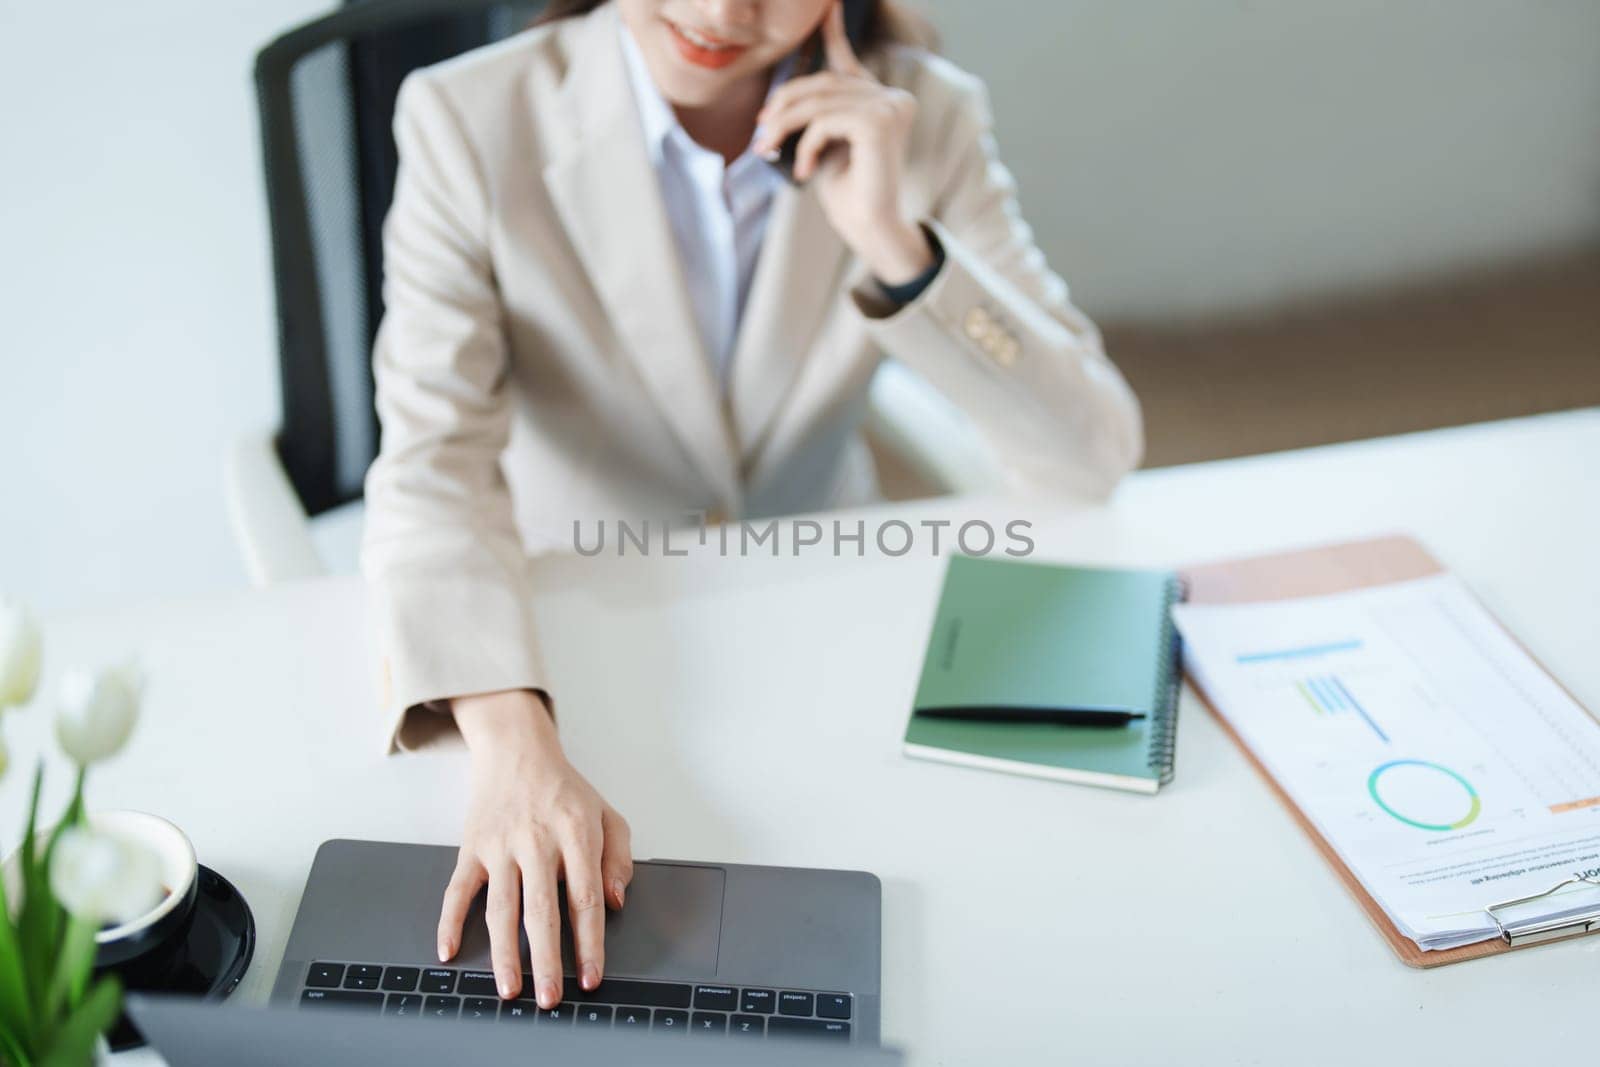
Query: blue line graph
{"x": 1361, "y": 711}
{"x": 1328, "y": 695}
{"x": 1297, "y": 653}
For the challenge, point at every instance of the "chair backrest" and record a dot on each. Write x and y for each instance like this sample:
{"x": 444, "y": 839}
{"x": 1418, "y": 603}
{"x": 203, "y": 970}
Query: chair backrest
{"x": 326, "y": 92}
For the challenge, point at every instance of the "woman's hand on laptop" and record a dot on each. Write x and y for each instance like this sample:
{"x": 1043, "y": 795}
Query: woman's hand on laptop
{"x": 532, "y": 820}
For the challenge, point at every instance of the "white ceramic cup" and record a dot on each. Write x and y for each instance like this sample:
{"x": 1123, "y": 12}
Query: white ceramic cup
{"x": 170, "y": 917}
{"x": 164, "y": 922}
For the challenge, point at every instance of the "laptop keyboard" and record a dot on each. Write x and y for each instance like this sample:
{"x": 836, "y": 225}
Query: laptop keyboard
{"x": 620, "y": 1003}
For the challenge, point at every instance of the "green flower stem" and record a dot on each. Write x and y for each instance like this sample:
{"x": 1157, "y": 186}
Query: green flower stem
{"x": 36, "y": 918}
{"x": 16, "y": 1010}
{"x": 73, "y": 1044}
{"x": 11, "y": 1050}
{"x": 47, "y": 956}
{"x": 72, "y": 969}
{"x": 59, "y": 978}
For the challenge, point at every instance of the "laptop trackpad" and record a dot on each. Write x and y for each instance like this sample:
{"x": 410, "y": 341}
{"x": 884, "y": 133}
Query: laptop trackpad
{"x": 671, "y": 926}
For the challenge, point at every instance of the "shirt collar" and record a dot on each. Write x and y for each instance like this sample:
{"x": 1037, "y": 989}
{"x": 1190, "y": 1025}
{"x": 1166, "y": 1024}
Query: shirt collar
{"x": 655, "y": 114}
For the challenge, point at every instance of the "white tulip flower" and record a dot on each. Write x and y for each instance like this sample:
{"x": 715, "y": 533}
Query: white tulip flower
{"x": 5, "y": 757}
{"x": 97, "y": 711}
{"x": 102, "y": 878}
{"x": 20, "y": 651}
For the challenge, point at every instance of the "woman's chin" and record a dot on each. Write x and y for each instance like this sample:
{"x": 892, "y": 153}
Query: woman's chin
{"x": 686, "y": 83}
{"x": 690, "y": 87}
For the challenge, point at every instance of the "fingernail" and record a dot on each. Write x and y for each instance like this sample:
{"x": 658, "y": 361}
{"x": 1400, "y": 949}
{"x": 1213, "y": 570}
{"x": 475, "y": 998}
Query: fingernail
{"x": 548, "y": 997}
{"x": 504, "y": 982}
{"x": 444, "y": 951}
{"x": 771, "y": 155}
{"x": 591, "y": 976}
{"x": 616, "y": 890}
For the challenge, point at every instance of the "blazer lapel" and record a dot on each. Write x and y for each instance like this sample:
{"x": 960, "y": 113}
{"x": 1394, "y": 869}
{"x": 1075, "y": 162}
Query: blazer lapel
{"x": 795, "y": 281}
{"x": 605, "y": 189}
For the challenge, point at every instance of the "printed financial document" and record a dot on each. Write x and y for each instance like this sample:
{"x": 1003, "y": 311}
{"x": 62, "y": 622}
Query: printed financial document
{"x": 1445, "y": 767}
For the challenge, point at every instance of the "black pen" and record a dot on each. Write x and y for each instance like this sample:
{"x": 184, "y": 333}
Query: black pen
{"x": 1024, "y": 713}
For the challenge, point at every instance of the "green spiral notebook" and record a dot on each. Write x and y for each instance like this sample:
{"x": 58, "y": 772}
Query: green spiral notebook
{"x": 1039, "y": 635}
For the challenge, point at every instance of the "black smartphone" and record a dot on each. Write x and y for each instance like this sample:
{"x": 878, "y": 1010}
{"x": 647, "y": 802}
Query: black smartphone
{"x": 815, "y": 57}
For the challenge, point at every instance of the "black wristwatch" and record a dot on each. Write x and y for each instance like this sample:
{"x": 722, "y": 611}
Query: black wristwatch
{"x": 902, "y": 294}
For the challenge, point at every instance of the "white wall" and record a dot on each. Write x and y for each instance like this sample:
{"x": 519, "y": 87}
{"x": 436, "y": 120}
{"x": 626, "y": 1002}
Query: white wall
{"x": 1176, "y": 155}
{"x": 1186, "y": 156}
{"x": 135, "y": 300}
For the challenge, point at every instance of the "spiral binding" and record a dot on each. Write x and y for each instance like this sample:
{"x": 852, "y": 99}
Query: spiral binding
{"x": 1164, "y": 721}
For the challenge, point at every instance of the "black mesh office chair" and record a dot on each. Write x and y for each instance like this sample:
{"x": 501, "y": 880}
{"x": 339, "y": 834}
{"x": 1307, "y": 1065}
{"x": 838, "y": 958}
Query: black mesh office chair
{"x": 326, "y": 92}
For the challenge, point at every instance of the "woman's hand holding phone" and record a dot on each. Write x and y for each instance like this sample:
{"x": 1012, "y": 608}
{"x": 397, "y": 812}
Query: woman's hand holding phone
{"x": 532, "y": 821}
{"x": 854, "y": 145}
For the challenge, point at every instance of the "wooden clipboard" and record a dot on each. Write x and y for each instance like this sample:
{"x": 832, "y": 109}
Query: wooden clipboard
{"x": 1317, "y": 572}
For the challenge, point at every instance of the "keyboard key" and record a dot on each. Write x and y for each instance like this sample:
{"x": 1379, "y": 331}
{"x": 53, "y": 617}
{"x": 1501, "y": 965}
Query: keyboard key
{"x": 347, "y": 999}
{"x": 325, "y": 975}
{"x": 833, "y": 1005}
{"x": 638, "y": 1018}
{"x": 437, "y": 980}
{"x": 709, "y": 1022}
{"x": 748, "y": 1025}
{"x": 362, "y": 976}
{"x": 521, "y": 1011}
{"x": 476, "y": 984}
{"x": 441, "y": 1008}
{"x": 560, "y": 1015}
{"x": 594, "y": 1015}
{"x": 716, "y": 997}
{"x": 672, "y": 1022}
{"x": 480, "y": 1009}
{"x": 401, "y": 979}
{"x": 627, "y": 991}
{"x": 781, "y": 1027}
{"x": 403, "y": 1005}
{"x": 794, "y": 1003}
{"x": 761, "y": 1001}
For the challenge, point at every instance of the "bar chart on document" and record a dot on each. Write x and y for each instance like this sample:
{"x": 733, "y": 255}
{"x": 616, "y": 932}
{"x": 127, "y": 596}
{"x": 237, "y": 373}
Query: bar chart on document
{"x": 1446, "y": 768}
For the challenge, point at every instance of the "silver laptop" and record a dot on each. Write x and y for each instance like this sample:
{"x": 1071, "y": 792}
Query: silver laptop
{"x": 195, "y": 1033}
{"x": 710, "y": 950}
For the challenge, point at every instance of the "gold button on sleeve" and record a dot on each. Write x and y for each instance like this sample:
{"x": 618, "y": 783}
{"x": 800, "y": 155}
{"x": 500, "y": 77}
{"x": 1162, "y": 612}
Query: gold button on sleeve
{"x": 976, "y": 324}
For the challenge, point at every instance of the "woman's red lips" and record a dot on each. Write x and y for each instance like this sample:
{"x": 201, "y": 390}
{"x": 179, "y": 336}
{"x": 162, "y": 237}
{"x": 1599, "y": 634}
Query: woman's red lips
{"x": 704, "y": 49}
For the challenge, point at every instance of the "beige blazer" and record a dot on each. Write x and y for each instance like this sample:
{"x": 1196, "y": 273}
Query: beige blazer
{"x": 538, "y": 362}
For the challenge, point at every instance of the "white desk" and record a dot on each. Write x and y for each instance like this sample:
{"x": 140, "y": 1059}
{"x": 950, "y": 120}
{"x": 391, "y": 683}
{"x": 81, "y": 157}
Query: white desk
{"x": 751, "y": 710}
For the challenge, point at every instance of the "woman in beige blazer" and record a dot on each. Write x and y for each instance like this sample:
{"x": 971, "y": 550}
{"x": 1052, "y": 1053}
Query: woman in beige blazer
{"x": 601, "y": 303}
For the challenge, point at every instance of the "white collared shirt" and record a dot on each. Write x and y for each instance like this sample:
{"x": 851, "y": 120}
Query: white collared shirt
{"x": 718, "y": 212}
